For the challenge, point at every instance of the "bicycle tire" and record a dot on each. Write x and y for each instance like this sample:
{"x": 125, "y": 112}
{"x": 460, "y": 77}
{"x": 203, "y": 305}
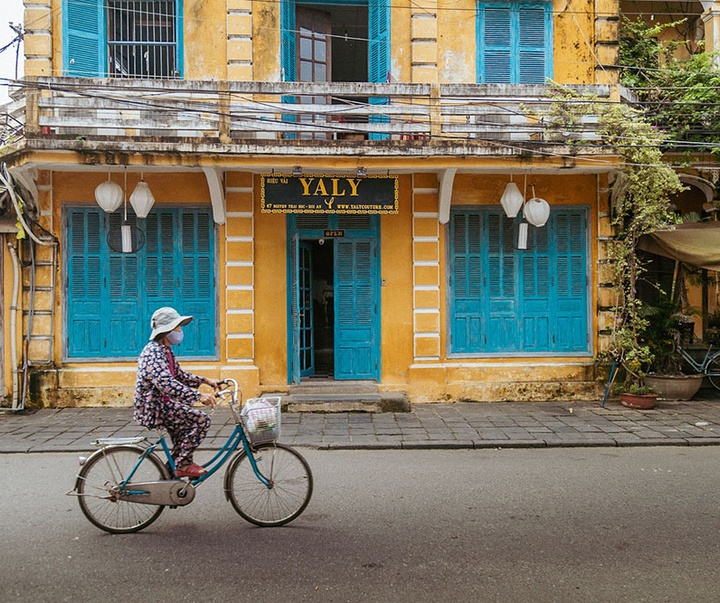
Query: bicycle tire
{"x": 712, "y": 370}
{"x": 281, "y": 502}
{"x": 98, "y": 485}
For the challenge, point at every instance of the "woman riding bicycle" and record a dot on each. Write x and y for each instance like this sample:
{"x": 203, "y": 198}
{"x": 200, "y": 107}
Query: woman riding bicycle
{"x": 164, "y": 393}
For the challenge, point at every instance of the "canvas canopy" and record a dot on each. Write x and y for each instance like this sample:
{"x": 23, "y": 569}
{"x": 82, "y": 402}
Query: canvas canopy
{"x": 697, "y": 244}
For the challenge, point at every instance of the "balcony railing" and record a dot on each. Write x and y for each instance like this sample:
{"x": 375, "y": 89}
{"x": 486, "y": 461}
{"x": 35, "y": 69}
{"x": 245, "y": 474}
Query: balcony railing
{"x": 265, "y": 117}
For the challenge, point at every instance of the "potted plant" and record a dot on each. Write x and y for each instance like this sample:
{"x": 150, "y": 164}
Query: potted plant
{"x": 666, "y": 325}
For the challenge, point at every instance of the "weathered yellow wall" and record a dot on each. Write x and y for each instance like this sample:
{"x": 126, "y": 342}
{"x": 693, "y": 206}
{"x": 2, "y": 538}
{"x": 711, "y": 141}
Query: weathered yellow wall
{"x": 206, "y": 43}
{"x": 396, "y": 288}
{"x": 573, "y": 33}
{"x": 271, "y": 303}
{"x": 433, "y": 40}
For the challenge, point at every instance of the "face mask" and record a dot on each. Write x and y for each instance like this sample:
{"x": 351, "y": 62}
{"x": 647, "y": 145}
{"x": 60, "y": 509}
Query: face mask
{"x": 174, "y": 337}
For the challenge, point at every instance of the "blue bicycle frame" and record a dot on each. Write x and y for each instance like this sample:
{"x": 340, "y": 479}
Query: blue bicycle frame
{"x": 236, "y": 438}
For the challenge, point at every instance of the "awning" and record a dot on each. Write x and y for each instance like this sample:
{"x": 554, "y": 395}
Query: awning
{"x": 697, "y": 244}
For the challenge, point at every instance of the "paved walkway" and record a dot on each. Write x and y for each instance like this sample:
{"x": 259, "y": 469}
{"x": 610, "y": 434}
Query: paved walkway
{"x": 462, "y": 425}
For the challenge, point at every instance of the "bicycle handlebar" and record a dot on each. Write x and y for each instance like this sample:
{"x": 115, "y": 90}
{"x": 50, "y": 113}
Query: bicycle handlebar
{"x": 230, "y": 392}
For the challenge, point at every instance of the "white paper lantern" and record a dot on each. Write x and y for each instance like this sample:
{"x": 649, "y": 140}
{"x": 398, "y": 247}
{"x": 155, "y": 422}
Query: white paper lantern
{"x": 109, "y": 196}
{"x": 537, "y": 211}
{"x": 511, "y": 200}
{"x": 142, "y": 199}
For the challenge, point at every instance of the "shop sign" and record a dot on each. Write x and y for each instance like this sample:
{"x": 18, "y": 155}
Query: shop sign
{"x": 333, "y": 194}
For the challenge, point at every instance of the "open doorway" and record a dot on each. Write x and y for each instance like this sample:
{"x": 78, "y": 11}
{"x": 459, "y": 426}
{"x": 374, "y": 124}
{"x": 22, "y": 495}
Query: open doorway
{"x": 323, "y": 308}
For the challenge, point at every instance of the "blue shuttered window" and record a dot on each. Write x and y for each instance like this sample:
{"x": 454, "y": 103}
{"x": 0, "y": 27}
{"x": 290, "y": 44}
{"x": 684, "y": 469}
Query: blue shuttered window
{"x": 111, "y": 295}
{"x": 514, "y": 42}
{"x": 122, "y": 38}
{"x": 507, "y": 300}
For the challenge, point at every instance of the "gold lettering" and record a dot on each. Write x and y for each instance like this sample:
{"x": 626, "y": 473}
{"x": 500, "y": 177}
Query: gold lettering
{"x": 354, "y": 185}
{"x": 306, "y": 182}
{"x": 320, "y": 189}
{"x": 336, "y": 192}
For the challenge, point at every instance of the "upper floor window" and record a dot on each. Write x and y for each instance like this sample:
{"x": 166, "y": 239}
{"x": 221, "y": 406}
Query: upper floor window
{"x": 122, "y": 38}
{"x": 514, "y": 44}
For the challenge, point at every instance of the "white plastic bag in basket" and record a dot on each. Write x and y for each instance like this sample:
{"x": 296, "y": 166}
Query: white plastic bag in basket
{"x": 260, "y": 415}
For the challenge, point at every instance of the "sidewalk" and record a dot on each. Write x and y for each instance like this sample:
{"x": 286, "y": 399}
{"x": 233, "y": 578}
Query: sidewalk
{"x": 462, "y": 425}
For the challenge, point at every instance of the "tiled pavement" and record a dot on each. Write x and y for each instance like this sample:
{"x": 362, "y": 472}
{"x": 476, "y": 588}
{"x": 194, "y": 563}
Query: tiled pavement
{"x": 462, "y": 425}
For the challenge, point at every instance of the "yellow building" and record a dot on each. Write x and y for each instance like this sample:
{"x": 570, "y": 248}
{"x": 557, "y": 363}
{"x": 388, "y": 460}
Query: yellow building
{"x": 326, "y": 180}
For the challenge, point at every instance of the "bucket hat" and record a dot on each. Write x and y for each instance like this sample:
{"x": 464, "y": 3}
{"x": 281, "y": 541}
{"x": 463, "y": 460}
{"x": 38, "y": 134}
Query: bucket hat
{"x": 165, "y": 320}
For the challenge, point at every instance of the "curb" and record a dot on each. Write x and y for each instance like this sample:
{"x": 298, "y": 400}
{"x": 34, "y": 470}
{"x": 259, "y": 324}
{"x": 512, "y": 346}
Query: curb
{"x": 425, "y": 445}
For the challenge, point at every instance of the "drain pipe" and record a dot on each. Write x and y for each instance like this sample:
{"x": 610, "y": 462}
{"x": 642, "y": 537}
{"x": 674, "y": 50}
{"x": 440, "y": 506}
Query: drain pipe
{"x": 14, "y": 307}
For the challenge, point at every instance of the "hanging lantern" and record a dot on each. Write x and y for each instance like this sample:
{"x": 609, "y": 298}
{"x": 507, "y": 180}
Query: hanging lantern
{"x": 109, "y": 195}
{"x": 142, "y": 199}
{"x": 511, "y": 200}
{"x": 537, "y": 211}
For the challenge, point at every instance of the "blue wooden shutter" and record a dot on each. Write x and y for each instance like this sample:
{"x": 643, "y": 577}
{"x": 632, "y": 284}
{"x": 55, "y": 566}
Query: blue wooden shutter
{"x": 379, "y": 43}
{"x": 379, "y": 55}
{"x": 537, "y": 317}
{"x": 288, "y": 50}
{"x": 571, "y": 261}
{"x": 355, "y": 309}
{"x": 84, "y": 48}
{"x": 495, "y": 45}
{"x": 196, "y": 292}
{"x": 122, "y": 319}
{"x": 84, "y": 286}
{"x": 467, "y": 323}
{"x": 502, "y": 331}
{"x": 533, "y": 65}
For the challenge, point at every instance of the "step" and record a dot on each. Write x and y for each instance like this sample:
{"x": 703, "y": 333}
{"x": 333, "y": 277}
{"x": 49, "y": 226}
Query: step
{"x": 328, "y": 386}
{"x": 335, "y": 397}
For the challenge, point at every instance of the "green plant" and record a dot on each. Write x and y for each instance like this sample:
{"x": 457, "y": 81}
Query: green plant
{"x": 635, "y": 389}
{"x": 680, "y": 90}
{"x": 665, "y": 319}
{"x": 640, "y": 205}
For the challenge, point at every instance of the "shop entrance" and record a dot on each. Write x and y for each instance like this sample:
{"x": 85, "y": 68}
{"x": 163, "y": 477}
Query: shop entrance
{"x": 334, "y": 313}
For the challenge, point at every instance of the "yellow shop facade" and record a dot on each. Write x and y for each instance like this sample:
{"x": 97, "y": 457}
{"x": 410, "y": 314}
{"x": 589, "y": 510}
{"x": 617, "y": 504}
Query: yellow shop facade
{"x": 320, "y": 185}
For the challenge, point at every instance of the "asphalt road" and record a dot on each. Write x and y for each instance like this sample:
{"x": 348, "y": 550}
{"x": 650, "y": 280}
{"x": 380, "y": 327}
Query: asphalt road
{"x": 555, "y": 525}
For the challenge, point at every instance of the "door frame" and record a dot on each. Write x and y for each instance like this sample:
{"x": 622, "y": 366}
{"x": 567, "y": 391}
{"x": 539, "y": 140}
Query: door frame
{"x": 295, "y": 236}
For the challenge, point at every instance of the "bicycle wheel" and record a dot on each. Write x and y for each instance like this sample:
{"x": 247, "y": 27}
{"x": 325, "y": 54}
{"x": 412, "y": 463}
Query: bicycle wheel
{"x": 98, "y": 489}
{"x": 712, "y": 370}
{"x": 288, "y": 494}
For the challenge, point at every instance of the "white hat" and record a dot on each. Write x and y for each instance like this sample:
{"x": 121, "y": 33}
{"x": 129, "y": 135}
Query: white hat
{"x": 165, "y": 320}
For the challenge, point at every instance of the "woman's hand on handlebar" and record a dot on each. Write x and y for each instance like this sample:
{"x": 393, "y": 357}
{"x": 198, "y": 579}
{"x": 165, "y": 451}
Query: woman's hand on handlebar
{"x": 214, "y": 383}
{"x": 207, "y": 399}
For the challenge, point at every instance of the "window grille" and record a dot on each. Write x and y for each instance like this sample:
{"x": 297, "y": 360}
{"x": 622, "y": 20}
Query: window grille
{"x": 142, "y": 38}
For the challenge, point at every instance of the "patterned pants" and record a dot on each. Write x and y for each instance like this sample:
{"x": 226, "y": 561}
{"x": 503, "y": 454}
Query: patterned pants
{"x": 187, "y": 427}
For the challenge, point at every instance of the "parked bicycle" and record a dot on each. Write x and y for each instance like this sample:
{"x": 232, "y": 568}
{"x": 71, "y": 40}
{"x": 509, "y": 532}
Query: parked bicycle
{"x": 709, "y": 365}
{"x": 124, "y": 486}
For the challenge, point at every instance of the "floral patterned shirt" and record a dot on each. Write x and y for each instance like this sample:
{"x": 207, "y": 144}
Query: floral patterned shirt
{"x": 155, "y": 384}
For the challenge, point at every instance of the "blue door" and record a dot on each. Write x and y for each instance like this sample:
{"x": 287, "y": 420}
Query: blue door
{"x": 333, "y": 297}
{"x": 505, "y": 300}
{"x": 112, "y": 295}
{"x": 356, "y": 309}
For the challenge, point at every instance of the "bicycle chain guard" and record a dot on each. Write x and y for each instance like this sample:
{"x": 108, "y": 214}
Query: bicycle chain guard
{"x": 166, "y": 493}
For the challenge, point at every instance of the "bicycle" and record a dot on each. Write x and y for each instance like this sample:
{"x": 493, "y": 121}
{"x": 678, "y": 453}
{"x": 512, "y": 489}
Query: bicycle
{"x": 124, "y": 486}
{"x": 709, "y": 366}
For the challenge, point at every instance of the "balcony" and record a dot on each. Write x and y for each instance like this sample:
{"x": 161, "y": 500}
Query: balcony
{"x": 290, "y": 118}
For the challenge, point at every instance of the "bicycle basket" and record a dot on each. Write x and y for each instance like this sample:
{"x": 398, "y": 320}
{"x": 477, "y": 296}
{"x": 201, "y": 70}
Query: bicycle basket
{"x": 261, "y": 419}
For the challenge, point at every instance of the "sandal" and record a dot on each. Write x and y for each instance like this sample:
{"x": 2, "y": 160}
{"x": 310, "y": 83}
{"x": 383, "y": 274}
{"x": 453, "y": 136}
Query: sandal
{"x": 190, "y": 470}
